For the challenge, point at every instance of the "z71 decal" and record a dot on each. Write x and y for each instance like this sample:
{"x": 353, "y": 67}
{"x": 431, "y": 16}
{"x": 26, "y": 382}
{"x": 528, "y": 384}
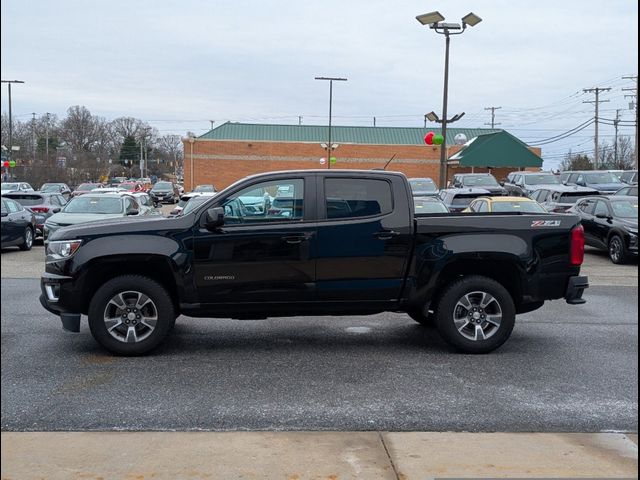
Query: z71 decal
{"x": 546, "y": 223}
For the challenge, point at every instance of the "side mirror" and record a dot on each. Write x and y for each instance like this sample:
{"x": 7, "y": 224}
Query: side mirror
{"x": 133, "y": 211}
{"x": 5, "y": 214}
{"x": 214, "y": 217}
{"x": 56, "y": 209}
{"x": 602, "y": 216}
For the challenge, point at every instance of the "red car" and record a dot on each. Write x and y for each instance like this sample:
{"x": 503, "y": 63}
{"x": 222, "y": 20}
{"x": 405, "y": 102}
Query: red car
{"x": 85, "y": 188}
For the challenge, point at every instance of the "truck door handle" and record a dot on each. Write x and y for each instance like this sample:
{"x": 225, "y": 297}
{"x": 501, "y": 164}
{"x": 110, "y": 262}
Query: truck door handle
{"x": 294, "y": 239}
{"x": 386, "y": 235}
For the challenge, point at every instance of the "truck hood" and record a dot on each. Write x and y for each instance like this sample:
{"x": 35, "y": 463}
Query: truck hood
{"x": 114, "y": 226}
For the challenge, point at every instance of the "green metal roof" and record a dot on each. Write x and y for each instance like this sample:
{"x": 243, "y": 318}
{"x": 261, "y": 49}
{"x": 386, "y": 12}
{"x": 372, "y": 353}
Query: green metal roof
{"x": 500, "y": 149}
{"x": 339, "y": 134}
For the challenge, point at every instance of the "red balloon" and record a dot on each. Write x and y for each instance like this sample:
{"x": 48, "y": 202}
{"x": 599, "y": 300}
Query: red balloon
{"x": 5, "y": 163}
{"x": 428, "y": 138}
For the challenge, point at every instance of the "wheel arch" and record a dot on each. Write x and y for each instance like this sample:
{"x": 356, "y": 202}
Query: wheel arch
{"x": 154, "y": 267}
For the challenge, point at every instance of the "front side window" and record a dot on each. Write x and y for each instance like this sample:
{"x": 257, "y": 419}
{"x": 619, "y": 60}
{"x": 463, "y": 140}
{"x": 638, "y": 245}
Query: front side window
{"x": 351, "y": 198}
{"x": 483, "y": 207}
{"x": 273, "y": 201}
{"x": 13, "y": 206}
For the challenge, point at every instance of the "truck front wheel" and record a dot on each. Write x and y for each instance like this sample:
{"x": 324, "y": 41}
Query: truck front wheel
{"x": 476, "y": 314}
{"x": 131, "y": 315}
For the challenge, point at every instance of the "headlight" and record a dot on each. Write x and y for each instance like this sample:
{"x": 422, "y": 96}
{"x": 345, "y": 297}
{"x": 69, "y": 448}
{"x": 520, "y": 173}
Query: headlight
{"x": 62, "y": 250}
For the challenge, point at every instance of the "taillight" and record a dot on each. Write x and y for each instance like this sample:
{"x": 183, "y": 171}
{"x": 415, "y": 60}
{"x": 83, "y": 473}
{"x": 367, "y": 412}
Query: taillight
{"x": 577, "y": 246}
{"x": 40, "y": 209}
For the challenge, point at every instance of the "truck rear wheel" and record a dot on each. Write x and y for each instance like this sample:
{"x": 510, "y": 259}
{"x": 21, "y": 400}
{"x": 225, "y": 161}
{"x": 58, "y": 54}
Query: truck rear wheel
{"x": 476, "y": 315}
{"x": 131, "y": 315}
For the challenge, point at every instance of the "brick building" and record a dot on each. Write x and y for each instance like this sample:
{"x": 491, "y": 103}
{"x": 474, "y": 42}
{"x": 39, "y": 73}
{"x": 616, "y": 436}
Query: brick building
{"x": 235, "y": 150}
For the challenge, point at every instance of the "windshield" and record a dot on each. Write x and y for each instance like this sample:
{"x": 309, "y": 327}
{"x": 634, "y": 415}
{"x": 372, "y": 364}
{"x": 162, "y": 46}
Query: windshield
{"x": 97, "y": 205}
{"x": 51, "y": 187}
{"x": 601, "y": 177}
{"x": 625, "y": 208}
{"x": 88, "y": 186}
{"x": 163, "y": 186}
{"x": 423, "y": 185}
{"x": 193, "y": 203}
{"x": 484, "y": 180}
{"x": 516, "y": 206}
{"x": 423, "y": 206}
{"x": 542, "y": 179}
{"x": 10, "y": 186}
{"x": 204, "y": 188}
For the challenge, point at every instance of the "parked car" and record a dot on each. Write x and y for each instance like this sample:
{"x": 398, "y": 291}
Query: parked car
{"x": 185, "y": 199}
{"x": 505, "y": 205}
{"x": 7, "y": 187}
{"x": 131, "y": 187}
{"x": 630, "y": 191}
{"x": 605, "y": 182}
{"x": 611, "y": 224}
{"x": 423, "y": 187}
{"x": 18, "y": 225}
{"x": 92, "y": 207}
{"x": 478, "y": 180}
{"x": 523, "y": 184}
{"x": 43, "y": 205}
{"x": 457, "y": 199}
{"x": 469, "y": 275}
{"x": 560, "y": 198}
{"x": 630, "y": 177}
{"x": 61, "y": 188}
{"x": 204, "y": 188}
{"x": 84, "y": 188}
{"x": 164, "y": 192}
{"x": 429, "y": 205}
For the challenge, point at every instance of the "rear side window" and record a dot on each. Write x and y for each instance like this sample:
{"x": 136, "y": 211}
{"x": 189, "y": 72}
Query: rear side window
{"x": 350, "y": 197}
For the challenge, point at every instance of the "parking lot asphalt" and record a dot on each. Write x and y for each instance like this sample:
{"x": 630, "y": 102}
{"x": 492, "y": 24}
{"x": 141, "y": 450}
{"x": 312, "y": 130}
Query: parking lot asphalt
{"x": 565, "y": 369}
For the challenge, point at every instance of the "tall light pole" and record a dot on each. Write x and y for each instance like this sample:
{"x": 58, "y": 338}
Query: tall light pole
{"x": 191, "y": 139}
{"x": 435, "y": 21}
{"x": 329, "y": 144}
{"x": 10, "y": 149}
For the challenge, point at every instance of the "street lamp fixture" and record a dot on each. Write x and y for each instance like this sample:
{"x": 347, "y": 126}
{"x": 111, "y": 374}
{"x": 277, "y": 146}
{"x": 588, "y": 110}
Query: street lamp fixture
{"x": 430, "y": 18}
{"x": 434, "y": 21}
{"x": 330, "y": 146}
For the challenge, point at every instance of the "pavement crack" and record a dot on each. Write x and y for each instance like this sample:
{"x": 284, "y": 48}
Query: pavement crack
{"x": 386, "y": 450}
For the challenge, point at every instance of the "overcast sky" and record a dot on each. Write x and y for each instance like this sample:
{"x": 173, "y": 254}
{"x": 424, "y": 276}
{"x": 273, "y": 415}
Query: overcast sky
{"x": 179, "y": 64}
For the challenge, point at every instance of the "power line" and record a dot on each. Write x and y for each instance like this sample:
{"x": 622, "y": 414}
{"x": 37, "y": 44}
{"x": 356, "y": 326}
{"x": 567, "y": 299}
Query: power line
{"x": 493, "y": 116}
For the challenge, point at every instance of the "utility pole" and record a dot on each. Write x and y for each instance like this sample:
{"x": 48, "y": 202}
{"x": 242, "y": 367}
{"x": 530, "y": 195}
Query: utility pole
{"x": 597, "y": 102}
{"x": 212, "y": 122}
{"x": 46, "y": 129}
{"x": 493, "y": 116}
{"x": 374, "y": 121}
{"x": 635, "y": 96}
{"x": 10, "y": 149}
{"x": 331, "y": 80}
{"x": 615, "y": 138}
{"x": 299, "y": 120}
{"x": 33, "y": 137}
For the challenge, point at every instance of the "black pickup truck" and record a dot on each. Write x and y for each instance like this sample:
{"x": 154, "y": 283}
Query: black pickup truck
{"x": 329, "y": 242}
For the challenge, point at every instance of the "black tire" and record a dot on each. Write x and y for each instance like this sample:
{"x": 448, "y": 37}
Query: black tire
{"x": 27, "y": 239}
{"x": 618, "y": 251}
{"x": 422, "y": 319}
{"x": 449, "y": 308}
{"x": 163, "y": 308}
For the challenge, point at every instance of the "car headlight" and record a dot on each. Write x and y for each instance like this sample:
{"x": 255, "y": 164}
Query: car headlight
{"x": 62, "y": 250}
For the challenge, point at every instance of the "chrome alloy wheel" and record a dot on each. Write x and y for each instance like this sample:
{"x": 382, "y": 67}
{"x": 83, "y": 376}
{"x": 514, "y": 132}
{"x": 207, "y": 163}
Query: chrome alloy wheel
{"x": 616, "y": 249}
{"x": 130, "y": 316}
{"x": 477, "y": 316}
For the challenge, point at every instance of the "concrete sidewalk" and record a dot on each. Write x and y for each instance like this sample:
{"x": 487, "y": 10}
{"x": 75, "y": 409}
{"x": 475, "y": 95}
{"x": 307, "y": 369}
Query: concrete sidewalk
{"x": 314, "y": 455}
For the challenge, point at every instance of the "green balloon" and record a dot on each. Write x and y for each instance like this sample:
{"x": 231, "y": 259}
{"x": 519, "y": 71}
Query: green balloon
{"x": 12, "y": 163}
{"x": 438, "y": 139}
{"x": 333, "y": 160}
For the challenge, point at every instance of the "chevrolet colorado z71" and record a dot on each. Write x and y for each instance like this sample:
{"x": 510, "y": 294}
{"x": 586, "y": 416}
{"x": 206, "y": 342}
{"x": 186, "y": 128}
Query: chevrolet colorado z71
{"x": 329, "y": 242}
